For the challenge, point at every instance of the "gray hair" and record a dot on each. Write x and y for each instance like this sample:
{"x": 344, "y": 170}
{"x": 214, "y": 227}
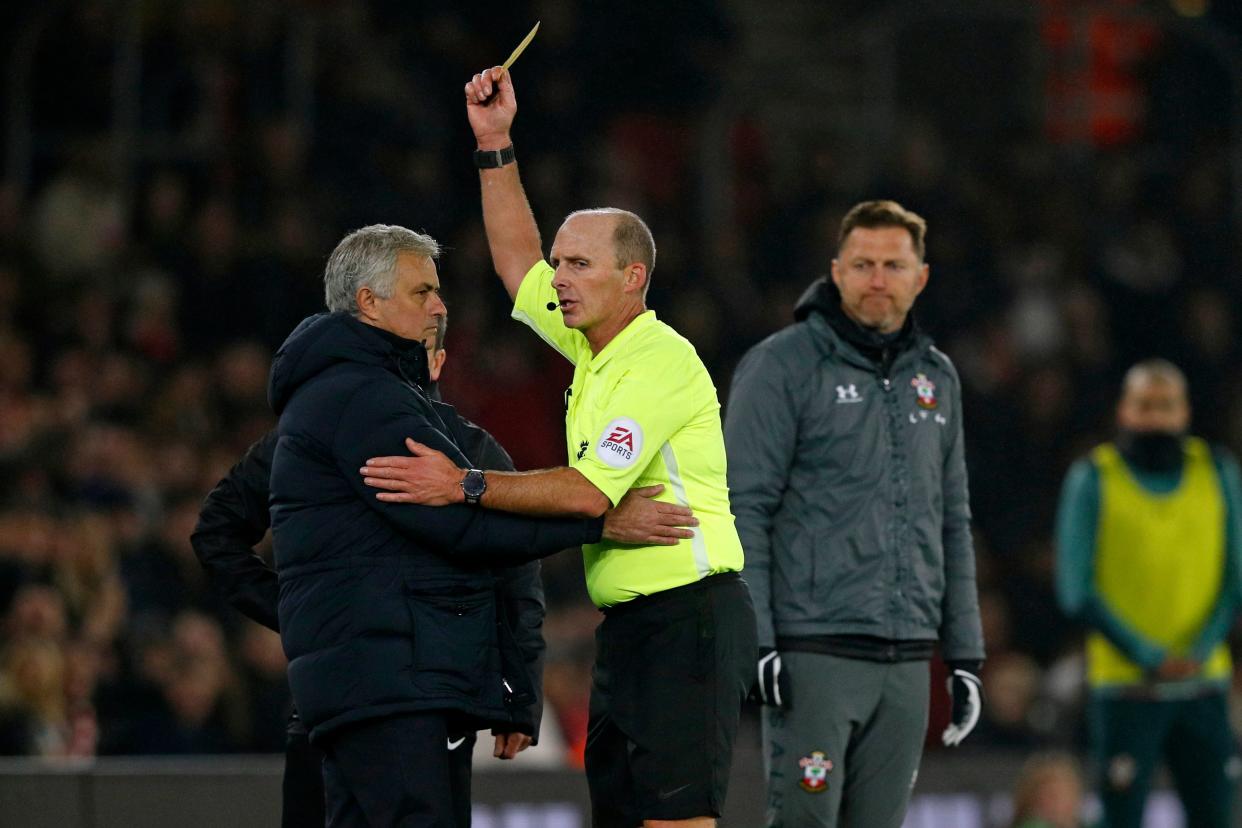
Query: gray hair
{"x": 368, "y": 258}
{"x": 1154, "y": 370}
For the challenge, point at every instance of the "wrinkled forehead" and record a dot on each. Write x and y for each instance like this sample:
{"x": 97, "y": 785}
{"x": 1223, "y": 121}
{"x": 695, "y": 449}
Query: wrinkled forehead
{"x": 586, "y": 233}
{"x": 417, "y": 267}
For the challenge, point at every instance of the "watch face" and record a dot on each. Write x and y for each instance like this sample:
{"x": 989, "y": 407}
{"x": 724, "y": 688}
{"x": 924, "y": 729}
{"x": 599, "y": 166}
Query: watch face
{"x": 474, "y": 484}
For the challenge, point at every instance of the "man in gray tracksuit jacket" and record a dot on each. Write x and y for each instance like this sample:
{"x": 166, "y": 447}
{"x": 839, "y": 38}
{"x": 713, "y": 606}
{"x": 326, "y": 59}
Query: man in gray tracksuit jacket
{"x": 848, "y": 480}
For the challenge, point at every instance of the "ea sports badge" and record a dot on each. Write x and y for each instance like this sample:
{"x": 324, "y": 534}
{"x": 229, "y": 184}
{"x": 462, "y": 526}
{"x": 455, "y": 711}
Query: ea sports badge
{"x": 925, "y": 390}
{"x": 620, "y": 443}
{"x": 815, "y": 770}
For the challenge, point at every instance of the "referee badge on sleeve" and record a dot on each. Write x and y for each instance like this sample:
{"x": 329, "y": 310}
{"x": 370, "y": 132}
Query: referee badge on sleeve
{"x": 620, "y": 443}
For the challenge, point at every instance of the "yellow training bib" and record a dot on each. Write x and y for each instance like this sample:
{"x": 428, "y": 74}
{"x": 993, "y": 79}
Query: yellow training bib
{"x": 1159, "y": 561}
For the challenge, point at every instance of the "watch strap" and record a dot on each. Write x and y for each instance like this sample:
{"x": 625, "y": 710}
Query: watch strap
{"x": 491, "y": 159}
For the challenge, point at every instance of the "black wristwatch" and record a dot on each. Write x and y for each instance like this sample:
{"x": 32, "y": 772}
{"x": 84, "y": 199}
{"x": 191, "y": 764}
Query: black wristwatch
{"x": 491, "y": 159}
{"x": 473, "y": 485}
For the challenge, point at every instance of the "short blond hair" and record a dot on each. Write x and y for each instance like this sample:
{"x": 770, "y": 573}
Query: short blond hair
{"x": 885, "y": 213}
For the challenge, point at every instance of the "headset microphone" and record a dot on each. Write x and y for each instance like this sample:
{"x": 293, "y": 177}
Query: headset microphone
{"x": 551, "y": 306}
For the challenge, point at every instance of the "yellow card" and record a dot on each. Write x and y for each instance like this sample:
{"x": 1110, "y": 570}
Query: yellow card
{"x": 521, "y": 47}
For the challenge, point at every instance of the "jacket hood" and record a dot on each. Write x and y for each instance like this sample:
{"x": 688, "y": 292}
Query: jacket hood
{"x": 822, "y": 295}
{"x": 824, "y": 298}
{"x": 326, "y": 339}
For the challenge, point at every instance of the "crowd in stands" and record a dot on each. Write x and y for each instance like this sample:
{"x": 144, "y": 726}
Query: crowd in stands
{"x": 139, "y": 314}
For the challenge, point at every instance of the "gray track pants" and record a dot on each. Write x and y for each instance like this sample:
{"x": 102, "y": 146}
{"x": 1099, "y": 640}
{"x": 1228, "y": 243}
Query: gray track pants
{"x": 847, "y": 752}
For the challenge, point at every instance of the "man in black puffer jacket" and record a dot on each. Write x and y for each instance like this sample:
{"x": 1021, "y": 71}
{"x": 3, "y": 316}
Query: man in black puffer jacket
{"x": 235, "y": 518}
{"x": 387, "y": 612}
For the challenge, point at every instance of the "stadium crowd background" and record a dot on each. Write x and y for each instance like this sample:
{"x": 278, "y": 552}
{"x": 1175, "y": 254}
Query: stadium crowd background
{"x": 146, "y": 277}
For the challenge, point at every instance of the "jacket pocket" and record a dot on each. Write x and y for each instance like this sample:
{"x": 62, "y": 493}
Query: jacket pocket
{"x": 930, "y": 585}
{"x": 849, "y": 576}
{"x": 454, "y": 644}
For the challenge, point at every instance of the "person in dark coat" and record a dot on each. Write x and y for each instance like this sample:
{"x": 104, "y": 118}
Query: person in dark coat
{"x": 235, "y": 517}
{"x": 387, "y": 612}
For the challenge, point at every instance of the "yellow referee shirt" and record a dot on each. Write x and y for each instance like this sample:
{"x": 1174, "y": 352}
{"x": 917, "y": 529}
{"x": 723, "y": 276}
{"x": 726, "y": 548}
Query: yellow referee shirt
{"x": 643, "y": 411}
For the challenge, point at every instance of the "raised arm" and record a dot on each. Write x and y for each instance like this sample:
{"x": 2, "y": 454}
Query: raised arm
{"x": 512, "y": 235}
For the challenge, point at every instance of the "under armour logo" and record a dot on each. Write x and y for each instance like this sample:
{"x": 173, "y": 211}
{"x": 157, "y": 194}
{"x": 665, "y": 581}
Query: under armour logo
{"x": 848, "y": 394}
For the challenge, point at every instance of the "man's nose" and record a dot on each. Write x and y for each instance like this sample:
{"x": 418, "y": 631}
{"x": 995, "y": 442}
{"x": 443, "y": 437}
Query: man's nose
{"x": 438, "y": 308}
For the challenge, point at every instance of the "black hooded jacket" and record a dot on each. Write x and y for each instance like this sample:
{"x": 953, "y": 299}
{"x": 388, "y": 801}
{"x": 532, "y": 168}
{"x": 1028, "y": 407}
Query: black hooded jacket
{"x": 235, "y": 517}
{"x": 385, "y": 608}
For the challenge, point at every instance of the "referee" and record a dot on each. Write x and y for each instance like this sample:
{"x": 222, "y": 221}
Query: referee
{"x": 676, "y": 648}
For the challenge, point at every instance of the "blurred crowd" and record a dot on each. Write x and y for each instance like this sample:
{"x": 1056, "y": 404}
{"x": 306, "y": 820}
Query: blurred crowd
{"x": 141, "y": 300}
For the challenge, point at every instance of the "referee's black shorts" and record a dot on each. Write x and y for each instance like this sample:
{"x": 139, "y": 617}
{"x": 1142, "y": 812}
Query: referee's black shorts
{"x": 671, "y": 672}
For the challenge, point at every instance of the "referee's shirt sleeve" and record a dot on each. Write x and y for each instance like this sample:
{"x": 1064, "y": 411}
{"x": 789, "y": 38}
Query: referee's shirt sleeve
{"x": 761, "y": 431}
{"x": 530, "y": 307}
{"x": 636, "y": 418}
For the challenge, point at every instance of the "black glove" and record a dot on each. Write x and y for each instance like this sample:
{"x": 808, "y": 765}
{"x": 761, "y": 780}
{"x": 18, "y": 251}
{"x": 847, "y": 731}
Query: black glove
{"x": 966, "y": 691}
{"x": 771, "y": 681}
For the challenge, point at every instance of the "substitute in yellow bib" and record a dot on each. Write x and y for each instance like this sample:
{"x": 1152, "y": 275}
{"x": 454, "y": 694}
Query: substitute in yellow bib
{"x": 1148, "y": 559}
{"x": 677, "y": 646}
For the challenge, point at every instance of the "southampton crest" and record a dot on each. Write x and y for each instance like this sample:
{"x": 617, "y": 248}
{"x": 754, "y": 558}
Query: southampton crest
{"x": 815, "y": 770}
{"x": 926, "y": 391}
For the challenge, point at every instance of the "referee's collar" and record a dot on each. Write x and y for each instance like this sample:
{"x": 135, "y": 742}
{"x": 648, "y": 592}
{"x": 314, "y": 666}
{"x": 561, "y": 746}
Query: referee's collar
{"x": 644, "y": 320}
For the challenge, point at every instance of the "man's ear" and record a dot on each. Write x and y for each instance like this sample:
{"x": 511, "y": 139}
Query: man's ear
{"x": 436, "y": 364}
{"x": 367, "y": 301}
{"x": 924, "y": 274}
{"x": 635, "y": 277}
{"x": 836, "y": 273}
